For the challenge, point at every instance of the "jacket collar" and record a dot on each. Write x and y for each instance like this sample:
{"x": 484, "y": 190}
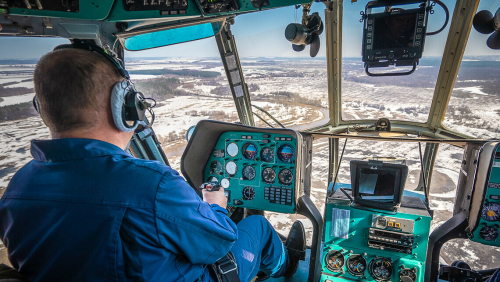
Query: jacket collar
{"x": 66, "y": 149}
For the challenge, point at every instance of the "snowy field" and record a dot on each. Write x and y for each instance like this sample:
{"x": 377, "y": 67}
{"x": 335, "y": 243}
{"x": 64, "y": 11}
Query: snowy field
{"x": 269, "y": 82}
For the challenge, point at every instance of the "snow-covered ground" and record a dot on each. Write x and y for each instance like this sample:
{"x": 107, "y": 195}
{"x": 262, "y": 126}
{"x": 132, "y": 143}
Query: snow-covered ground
{"x": 308, "y": 79}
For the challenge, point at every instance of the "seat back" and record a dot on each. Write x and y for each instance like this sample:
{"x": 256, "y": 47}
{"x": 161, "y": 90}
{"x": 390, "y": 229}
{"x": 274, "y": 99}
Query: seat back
{"x": 9, "y": 274}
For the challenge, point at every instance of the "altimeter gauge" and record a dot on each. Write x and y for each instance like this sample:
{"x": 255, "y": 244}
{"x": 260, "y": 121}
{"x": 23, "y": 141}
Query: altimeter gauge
{"x": 268, "y": 175}
{"x": 248, "y": 173}
{"x": 267, "y": 154}
{"x": 285, "y": 176}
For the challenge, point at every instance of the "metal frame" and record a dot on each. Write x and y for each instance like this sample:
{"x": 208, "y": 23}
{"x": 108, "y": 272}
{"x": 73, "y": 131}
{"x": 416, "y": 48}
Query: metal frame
{"x": 232, "y": 66}
{"x": 433, "y": 129}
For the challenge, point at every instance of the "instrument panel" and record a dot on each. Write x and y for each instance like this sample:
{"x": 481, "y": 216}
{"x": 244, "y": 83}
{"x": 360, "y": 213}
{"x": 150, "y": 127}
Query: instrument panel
{"x": 488, "y": 222}
{"x": 370, "y": 245}
{"x": 257, "y": 170}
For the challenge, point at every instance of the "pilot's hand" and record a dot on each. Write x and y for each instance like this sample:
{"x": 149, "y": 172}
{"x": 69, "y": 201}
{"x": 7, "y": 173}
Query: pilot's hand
{"x": 215, "y": 197}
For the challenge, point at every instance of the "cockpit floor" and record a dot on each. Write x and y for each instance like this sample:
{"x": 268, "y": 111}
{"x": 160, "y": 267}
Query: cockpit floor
{"x": 301, "y": 274}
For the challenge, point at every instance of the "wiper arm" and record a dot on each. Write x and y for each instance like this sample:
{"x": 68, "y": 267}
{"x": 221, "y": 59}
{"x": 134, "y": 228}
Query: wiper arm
{"x": 268, "y": 114}
{"x": 262, "y": 119}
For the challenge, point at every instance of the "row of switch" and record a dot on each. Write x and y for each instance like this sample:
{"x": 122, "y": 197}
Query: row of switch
{"x": 278, "y": 195}
{"x": 386, "y": 240}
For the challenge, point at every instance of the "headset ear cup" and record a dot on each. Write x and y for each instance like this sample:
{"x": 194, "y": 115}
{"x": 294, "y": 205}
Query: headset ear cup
{"x": 118, "y": 107}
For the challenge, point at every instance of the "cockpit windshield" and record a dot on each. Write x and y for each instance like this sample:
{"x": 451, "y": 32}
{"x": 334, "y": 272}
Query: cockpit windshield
{"x": 474, "y": 107}
{"x": 397, "y": 98}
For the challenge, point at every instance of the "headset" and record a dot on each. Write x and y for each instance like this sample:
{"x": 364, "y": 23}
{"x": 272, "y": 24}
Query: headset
{"x": 128, "y": 106}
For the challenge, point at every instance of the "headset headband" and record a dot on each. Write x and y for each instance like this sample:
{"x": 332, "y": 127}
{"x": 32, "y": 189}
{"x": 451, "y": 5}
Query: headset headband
{"x": 79, "y": 44}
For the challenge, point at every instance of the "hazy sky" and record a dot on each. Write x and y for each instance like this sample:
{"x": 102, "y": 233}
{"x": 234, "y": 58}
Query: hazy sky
{"x": 262, "y": 34}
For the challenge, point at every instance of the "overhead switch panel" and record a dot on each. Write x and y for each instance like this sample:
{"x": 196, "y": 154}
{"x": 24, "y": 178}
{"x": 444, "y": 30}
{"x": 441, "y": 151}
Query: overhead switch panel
{"x": 47, "y": 5}
{"x": 172, "y": 7}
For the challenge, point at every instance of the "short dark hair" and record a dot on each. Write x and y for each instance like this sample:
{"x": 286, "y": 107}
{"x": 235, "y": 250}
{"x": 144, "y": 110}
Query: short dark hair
{"x": 73, "y": 88}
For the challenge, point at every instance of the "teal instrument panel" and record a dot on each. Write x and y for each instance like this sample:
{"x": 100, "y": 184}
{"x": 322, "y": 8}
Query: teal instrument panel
{"x": 371, "y": 245}
{"x": 489, "y": 222}
{"x": 256, "y": 170}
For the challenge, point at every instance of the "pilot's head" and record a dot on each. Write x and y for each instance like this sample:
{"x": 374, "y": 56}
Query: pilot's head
{"x": 73, "y": 88}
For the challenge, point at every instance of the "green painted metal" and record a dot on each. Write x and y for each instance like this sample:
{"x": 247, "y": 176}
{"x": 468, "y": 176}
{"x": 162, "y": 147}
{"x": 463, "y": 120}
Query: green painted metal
{"x": 360, "y": 222}
{"x": 494, "y": 189}
{"x": 120, "y": 14}
{"x": 237, "y": 183}
{"x": 89, "y": 10}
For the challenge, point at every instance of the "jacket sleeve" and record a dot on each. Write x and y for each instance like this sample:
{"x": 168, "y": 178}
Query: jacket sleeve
{"x": 187, "y": 225}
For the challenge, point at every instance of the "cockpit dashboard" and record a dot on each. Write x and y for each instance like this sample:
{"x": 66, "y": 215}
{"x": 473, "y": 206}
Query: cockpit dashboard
{"x": 259, "y": 168}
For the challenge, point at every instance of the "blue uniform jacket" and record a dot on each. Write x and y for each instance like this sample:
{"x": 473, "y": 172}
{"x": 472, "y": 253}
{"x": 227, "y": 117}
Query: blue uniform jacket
{"x": 85, "y": 210}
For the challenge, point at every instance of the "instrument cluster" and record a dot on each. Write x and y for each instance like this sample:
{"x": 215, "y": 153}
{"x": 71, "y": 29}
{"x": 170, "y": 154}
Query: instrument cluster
{"x": 490, "y": 213}
{"x": 256, "y": 170}
{"x": 365, "y": 267}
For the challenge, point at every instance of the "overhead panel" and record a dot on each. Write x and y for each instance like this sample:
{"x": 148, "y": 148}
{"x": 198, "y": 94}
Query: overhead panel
{"x": 71, "y": 9}
{"x": 122, "y": 12}
{"x": 166, "y": 7}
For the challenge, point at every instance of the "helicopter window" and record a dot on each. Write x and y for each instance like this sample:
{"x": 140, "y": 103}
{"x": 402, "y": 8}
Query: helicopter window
{"x": 19, "y": 121}
{"x": 397, "y": 98}
{"x": 289, "y": 85}
{"x": 474, "y": 107}
{"x": 186, "y": 90}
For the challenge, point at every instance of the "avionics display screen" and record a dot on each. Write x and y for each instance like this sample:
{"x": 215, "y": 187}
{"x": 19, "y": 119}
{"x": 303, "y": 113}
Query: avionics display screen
{"x": 394, "y": 31}
{"x": 377, "y": 185}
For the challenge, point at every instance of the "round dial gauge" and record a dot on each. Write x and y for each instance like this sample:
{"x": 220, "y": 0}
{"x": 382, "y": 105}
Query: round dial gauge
{"x": 491, "y": 212}
{"x": 488, "y": 233}
{"x": 334, "y": 261}
{"x": 248, "y": 173}
{"x": 381, "y": 269}
{"x": 356, "y": 265}
{"x": 232, "y": 149}
{"x": 407, "y": 274}
{"x": 286, "y": 153}
{"x": 231, "y": 168}
{"x": 268, "y": 175}
{"x": 249, "y": 151}
{"x": 248, "y": 193}
{"x": 213, "y": 179}
{"x": 224, "y": 183}
{"x": 216, "y": 168}
{"x": 267, "y": 154}
{"x": 285, "y": 176}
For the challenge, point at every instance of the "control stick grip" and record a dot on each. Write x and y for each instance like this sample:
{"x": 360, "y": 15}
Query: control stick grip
{"x": 210, "y": 186}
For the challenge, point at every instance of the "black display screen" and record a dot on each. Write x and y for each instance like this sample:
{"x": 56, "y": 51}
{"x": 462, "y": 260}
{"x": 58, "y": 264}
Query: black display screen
{"x": 394, "y": 31}
{"x": 377, "y": 185}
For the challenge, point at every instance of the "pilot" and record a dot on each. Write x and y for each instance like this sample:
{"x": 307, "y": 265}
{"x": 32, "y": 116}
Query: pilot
{"x": 84, "y": 209}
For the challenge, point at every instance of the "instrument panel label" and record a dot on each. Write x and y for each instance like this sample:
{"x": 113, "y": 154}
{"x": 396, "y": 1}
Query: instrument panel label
{"x": 494, "y": 185}
{"x": 340, "y": 223}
